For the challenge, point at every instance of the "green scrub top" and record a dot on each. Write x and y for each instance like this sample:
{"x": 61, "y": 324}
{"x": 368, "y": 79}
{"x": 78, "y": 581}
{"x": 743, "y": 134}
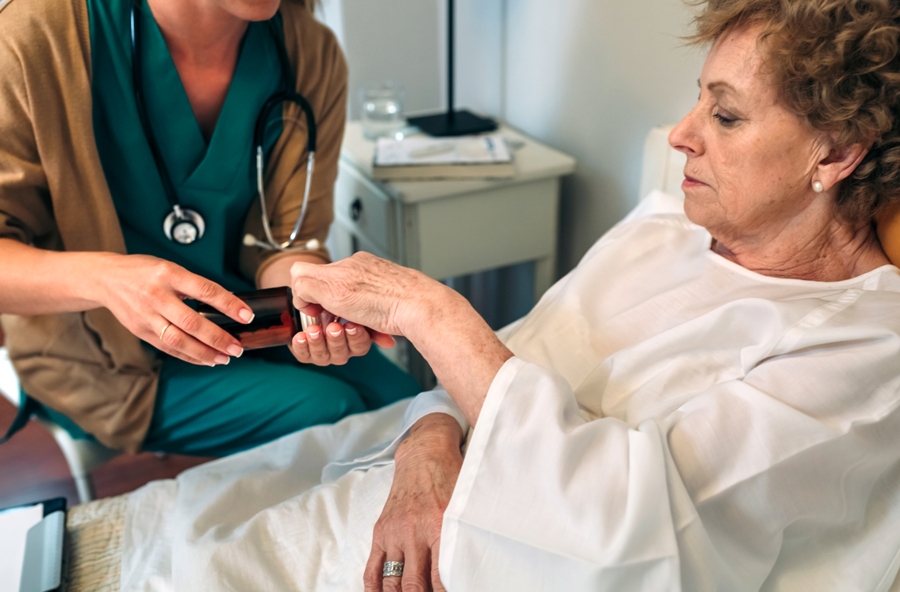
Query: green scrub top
{"x": 215, "y": 178}
{"x": 263, "y": 395}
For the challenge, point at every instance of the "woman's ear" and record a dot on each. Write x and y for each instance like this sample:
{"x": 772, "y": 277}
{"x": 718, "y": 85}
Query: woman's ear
{"x": 840, "y": 164}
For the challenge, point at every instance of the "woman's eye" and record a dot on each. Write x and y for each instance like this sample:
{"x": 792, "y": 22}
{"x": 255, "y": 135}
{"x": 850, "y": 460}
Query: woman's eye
{"x": 724, "y": 119}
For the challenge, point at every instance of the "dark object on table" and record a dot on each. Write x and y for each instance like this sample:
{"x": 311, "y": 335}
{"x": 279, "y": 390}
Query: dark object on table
{"x": 452, "y": 123}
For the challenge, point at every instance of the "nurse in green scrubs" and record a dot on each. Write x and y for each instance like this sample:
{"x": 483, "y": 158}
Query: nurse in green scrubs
{"x": 207, "y": 69}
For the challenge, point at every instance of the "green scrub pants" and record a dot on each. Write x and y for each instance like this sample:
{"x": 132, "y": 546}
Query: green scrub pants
{"x": 261, "y": 396}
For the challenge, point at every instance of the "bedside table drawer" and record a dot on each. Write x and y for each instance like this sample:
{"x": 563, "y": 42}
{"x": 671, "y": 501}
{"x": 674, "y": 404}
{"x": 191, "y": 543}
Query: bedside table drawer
{"x": 364, "y": 209}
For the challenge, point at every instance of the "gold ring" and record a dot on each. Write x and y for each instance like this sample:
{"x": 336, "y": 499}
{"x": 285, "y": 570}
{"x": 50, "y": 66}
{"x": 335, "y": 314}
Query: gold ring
{"x": 163, "y": 332}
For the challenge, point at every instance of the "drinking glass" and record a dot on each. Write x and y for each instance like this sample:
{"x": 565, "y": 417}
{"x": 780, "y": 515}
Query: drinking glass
{"x": 382, "y": 111}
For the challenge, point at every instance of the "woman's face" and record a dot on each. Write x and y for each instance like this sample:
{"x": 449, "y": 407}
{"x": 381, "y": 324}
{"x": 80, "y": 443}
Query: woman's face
{"x": 750, "y": 161}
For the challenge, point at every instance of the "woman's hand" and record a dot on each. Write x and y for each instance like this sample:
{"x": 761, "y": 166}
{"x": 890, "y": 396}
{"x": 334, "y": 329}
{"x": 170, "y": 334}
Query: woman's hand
{"x": 146, "y": 294}
{"x": 337, "y": 343}
{"x": 427, "y": 465}
{"x": 460, "y": 347}
{"x": 334, "y": 346}
{"x": 369, "y": 291}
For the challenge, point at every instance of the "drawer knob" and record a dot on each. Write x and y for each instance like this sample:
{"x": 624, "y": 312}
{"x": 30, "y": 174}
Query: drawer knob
{"x": 356, "y": 209}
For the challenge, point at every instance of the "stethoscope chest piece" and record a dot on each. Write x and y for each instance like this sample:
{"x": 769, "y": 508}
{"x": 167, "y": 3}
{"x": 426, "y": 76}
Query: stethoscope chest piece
{"x": 184, "y": 226}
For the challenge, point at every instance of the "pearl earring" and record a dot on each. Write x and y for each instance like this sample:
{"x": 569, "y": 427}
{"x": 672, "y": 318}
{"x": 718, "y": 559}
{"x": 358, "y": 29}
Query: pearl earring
{"x": 818, "y": 187}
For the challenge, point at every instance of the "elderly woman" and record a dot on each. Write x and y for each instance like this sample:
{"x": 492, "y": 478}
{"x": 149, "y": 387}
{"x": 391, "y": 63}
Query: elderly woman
{"x": 709, "y": 401}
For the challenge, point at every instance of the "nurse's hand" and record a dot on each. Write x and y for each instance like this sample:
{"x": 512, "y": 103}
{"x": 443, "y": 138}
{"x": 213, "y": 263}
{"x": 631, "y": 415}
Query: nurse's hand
{"x": 146, "y": 294}
{"x": 336, "y": 344}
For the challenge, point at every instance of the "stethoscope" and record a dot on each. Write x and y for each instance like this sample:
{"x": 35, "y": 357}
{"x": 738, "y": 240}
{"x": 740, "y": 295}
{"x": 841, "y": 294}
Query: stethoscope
{"x": 184, "y": 225}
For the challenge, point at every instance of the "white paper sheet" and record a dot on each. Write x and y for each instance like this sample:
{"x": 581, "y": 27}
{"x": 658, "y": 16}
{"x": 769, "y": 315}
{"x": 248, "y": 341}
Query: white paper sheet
{"x": 14, "y": 526}
{"x": 442, "y": 151}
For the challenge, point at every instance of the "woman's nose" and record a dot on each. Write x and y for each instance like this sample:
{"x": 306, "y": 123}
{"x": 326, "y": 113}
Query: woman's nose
{"x": 685, "y": 136}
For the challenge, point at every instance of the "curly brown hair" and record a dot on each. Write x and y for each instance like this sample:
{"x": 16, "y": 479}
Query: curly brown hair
{"x": 837, "y": 64}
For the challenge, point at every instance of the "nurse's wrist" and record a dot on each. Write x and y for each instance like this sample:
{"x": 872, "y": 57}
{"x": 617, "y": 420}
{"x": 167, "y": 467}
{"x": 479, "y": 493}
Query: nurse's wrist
{"x": 91, "y": 277}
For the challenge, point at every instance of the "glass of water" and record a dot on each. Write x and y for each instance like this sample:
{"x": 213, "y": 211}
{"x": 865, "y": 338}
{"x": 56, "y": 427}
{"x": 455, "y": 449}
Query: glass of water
{"x": 382, "y": 111}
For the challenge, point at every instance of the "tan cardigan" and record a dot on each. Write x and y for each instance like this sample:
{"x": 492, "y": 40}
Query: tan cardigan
{"x": 53, "y": 195}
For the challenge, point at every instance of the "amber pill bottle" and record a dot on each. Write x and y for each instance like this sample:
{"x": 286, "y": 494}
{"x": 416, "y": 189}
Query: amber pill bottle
{"x": 276, "y": 320}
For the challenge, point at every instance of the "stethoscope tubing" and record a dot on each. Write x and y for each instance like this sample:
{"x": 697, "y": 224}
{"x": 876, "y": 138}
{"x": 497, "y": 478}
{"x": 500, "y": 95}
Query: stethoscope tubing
{"x": 137, "y": 81}
{"x": 275, "y": 101}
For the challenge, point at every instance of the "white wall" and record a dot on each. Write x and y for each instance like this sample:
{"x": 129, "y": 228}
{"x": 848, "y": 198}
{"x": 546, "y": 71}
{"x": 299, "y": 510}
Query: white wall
{"x": 390, "y": 40}
{"x": 404, "y": 41}
{"x": 589, "y": 77}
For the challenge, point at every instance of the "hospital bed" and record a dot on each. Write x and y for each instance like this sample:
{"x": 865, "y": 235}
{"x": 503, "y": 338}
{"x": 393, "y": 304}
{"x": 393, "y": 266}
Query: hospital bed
{"x": 94, "y": 530}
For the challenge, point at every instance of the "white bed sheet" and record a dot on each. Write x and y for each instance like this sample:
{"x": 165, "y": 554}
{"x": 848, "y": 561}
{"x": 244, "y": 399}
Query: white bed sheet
{"x": 244, "y": 510}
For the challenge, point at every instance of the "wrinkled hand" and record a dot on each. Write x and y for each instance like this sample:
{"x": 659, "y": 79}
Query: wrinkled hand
{"x": 427, "y": 465}
{"x": 457, "y": 343}
{"x": 367, "y": 290}
{"x": 146, "y": 294}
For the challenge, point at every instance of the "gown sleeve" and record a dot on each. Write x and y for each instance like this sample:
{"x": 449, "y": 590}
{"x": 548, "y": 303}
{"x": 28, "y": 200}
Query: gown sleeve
{"x": 707, "y": 497}
{"x": 435, "y": 401}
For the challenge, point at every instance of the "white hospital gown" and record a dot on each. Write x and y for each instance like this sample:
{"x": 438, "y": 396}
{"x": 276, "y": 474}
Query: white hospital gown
{"x": 670, "y": 421}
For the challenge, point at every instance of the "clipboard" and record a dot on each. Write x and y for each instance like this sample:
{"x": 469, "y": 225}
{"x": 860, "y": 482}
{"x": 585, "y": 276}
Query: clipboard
{"x": 31, "y": 546}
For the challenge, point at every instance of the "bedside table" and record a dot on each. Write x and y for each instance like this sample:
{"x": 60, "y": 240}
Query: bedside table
{"x": 449, "y": 228}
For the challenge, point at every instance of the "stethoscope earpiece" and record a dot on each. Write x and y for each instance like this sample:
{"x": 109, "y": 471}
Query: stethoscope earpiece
{"x": 252, "y": 241}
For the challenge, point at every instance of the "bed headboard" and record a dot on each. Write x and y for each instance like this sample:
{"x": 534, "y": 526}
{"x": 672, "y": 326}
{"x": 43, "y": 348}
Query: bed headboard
{"x": 663, "y": 169}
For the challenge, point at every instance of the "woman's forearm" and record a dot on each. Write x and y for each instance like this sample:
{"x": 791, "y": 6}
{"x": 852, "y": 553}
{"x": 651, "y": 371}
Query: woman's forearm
{"x": 435, "y": 431}
{"x": 461, "y": 348}
{"x": 146, "y": 294}
{"x": 35, "y": 281}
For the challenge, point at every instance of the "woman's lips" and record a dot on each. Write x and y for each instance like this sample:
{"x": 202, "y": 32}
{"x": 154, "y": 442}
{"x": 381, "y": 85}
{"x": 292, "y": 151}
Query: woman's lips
{"x": 690, "y": 182}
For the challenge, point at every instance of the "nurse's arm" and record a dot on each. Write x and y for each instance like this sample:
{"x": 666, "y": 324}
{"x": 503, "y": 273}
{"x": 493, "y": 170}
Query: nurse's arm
{"x": 144, "y": 293}
{"x": 278, "y": 273}
{"x": 322, "y": 346}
